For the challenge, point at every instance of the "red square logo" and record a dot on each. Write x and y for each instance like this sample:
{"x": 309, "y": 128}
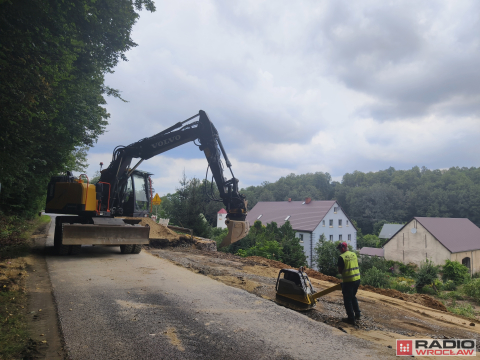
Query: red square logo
{"x": 404, "y": 347}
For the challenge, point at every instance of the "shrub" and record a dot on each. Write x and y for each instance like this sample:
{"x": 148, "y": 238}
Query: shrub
{"x": 453, "y": 270}
{"x": 326, "y": 256}
{"x": 472, "y": 289}
{"x": 409, "y": 270}
{"x": 367, "y": 262}
{"x": 376, "y": 278}
{"x": 449, "y": 285}
{"x": 427, "y": 274}
{"x": 437, "y": 285}
{"x": 402, "y": 284}
{"x": 427, "y": 289}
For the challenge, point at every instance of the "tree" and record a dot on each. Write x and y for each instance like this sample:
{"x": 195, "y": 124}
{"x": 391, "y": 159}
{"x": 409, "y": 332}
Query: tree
{"x": 326, "y": 256}
{"x": 53, "y": 59}
{"x": 187, "y": 205}
{"x": 293, "y": 253}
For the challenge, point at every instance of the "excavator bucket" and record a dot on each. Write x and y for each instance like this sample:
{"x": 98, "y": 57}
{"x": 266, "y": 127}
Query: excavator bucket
{"x": 237, "y": 230}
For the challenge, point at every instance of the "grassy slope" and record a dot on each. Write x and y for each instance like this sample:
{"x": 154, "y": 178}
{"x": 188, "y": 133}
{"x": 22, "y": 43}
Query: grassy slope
{"x": 14, "y": 243}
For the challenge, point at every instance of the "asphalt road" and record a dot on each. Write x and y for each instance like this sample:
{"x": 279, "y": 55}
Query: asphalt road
{"x": 115, "y": 306}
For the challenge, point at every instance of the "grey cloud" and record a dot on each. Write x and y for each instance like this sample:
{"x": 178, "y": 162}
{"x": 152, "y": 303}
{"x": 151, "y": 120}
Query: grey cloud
{"x": 409, "y": 56}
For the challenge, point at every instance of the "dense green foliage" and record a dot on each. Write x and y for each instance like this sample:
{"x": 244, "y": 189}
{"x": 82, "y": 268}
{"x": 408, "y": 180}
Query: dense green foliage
{"x": 189, "y": 207}
{"x": 458, "y": 273}
{"x": 53, "y": 58}
{"x": 375, "y": 278}
{"x": 366, "y": 262}
{"x": 325, "y": 256}
{"x": 472, "y": 289}
{"x": 271, "y": 242}
{"x": 427, "y": 274}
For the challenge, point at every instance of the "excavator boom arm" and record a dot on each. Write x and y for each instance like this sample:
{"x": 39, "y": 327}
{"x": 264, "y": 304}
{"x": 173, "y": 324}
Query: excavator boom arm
{"x": 201, "y": 130}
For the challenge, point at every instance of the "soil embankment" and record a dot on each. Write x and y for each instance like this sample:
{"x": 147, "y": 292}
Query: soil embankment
{"x": 386, "y": 314}
{"x": 161, "y": 236}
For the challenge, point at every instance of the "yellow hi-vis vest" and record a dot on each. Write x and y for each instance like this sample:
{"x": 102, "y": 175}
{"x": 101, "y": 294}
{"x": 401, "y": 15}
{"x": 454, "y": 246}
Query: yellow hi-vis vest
{"x": 350, "y": 271}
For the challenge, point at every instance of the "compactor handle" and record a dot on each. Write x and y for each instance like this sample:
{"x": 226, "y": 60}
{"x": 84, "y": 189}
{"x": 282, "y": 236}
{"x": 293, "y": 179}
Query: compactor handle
{"x": 327, "y": 291}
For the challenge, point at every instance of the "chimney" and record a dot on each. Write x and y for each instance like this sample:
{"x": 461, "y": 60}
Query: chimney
{"x": 308, "y": 200}
{"x": 289, "y": 199}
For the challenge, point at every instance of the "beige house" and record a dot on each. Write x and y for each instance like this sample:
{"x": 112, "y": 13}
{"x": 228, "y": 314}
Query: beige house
{"x": 436, "y": 239}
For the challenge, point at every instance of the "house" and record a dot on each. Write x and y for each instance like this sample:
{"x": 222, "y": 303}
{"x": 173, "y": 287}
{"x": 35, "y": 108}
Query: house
{"x": 436, "y": 239}
{"x": 388, "y": 230}
{"x": 309, "y": 219}
{"x": 371, "y": 251}
{"x": 221, "y": 217}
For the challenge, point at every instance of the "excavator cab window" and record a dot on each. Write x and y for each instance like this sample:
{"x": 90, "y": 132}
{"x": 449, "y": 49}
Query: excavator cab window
{"x": 141, "y": 199}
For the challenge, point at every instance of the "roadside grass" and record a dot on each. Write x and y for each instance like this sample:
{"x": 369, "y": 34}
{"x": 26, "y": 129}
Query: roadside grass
{"x": 15, "y": 234}
{"x": 464, "y": 309}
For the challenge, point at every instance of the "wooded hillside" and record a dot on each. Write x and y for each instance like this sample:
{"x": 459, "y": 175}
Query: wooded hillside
{"x": 370, "y": 199}
{"x": 387, "y": 195}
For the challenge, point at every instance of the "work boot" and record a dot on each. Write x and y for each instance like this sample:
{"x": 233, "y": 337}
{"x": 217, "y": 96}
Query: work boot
{"x": 349, "y": 321}
{"x": 358, "y": 317}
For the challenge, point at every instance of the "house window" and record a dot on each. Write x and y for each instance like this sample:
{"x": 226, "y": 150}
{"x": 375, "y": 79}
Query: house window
{"x": 346, "y": 222}
{"x": 330, "y": 222}
{"x": 335, "y": 209}
{"x": 340, "y": 237}
{"x": 259, "y": 216}
{"x": 323, "y": 223}
{"x": 300, "y": 236}
{"x": 331, "y": 237}
{"x": 349, "y": 237}
{"x": 466, "y": 262}
{"x": 340, "y": 223}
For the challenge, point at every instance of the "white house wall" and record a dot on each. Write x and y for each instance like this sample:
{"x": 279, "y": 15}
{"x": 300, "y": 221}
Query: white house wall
{"x": 334, "y": 230}
{"x": 414, "y": 247}
{"x": 306, "y": 243}
{"x": 221, "y": 221}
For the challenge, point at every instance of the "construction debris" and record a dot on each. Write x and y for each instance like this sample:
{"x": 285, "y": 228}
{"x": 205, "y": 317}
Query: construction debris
{"x": 161, "y": 236}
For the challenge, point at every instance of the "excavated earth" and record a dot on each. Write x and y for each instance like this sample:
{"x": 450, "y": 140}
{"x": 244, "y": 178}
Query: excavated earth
{"x": 386, "y": 314}
{"x": 161, "y": 236}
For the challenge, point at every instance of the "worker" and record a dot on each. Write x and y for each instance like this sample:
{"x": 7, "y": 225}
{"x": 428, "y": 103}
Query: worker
{"x": 348, "y": 267}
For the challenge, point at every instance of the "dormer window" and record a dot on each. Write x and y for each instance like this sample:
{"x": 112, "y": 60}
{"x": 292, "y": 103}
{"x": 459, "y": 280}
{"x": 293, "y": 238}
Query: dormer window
{"x": 288, "y": 217}
{"x": 259, "y": 216}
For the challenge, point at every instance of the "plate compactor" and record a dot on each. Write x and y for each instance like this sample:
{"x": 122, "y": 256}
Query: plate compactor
{"x": 295, "y": 291}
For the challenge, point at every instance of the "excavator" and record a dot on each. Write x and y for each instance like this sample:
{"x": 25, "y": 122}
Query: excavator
{"x": 106, "y": 213}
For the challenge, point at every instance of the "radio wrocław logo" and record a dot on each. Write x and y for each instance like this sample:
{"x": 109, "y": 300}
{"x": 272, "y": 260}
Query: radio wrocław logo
{"x": 429, "y": 347}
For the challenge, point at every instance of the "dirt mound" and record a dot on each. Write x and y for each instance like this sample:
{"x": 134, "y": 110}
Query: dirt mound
{"x": 267, "y": 262}
{"x": 319, "y": 276}
{"x": 158, "y": 231}
{"x": 421, "y": 299}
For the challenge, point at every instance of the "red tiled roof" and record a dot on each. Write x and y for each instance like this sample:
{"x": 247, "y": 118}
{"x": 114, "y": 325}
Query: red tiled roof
{"x": 455, "y": 234}
{"x": 371, "y": 251}
{"x": 222, "y": 211}
{"x": 303, "y": 217}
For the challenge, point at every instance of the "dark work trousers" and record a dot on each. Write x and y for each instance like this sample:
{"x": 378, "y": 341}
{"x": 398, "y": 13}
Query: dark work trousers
{"x": 349, "y": 291}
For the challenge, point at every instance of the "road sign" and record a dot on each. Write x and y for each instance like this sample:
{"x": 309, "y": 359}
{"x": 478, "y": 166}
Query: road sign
{"x": 156, "y": 200}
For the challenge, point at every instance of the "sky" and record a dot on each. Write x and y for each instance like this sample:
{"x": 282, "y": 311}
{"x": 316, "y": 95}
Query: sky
{"x": 302, "y": 87}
